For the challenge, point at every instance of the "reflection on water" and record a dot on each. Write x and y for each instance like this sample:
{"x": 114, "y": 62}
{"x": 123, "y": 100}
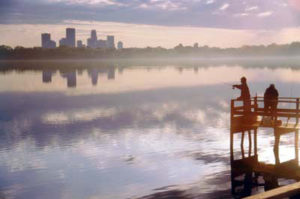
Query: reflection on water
{"x": 113, "y": 131}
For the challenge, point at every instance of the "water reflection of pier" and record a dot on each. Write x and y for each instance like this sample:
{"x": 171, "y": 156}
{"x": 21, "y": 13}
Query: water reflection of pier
{"x": 247, "y": 171}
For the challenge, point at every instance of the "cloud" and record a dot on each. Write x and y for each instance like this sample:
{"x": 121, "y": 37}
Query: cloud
{"x": 241, "y": 14}
{"x": 163, "y": 5}
{"x": 294, "y": 4}
{"x": 265, "y": 14}
{"x": 210, "y": 1}
{"x": 89, "y": 2}
{"x": 252, "y": 8}
{"x": 199, "y": 13}
{"x": 224, "y": 6}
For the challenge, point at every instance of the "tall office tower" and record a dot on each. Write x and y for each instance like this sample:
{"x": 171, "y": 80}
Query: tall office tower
{"x": 110, "y": 42}
{"x": 45, "y": 39}
{"x": 120, "y": 45}
{"x": 47, "y": 42}
{"x": 92, "y": 42}
{"x": 79, "y": 44}
{"x": 70, "y": 37}
{"x": 94, "y": 35}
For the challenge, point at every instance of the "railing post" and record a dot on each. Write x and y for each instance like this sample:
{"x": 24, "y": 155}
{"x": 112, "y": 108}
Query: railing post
{"x": 255, "y": 105}
{"x": 232, "y": 110}
{"x": 297, "y": 110}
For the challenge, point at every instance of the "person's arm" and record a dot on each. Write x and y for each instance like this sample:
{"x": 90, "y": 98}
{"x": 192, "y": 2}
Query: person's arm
{"x": 237, "y": 86}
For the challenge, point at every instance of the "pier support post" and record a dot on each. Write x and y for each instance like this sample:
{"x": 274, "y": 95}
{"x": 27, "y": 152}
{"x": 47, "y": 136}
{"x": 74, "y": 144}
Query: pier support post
{"x": 242, "y": 144}
{"x": 276, "y": 146}
{"x": 296, "y": 145}
{"x": 231, "y": 146}
{"x": 250, "y": 143}
{"x": 255, "y": 142}
{"x": 231, "y": 131}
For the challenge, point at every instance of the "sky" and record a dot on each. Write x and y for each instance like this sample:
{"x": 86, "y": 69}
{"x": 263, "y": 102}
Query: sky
{"x": 141, "y": 23}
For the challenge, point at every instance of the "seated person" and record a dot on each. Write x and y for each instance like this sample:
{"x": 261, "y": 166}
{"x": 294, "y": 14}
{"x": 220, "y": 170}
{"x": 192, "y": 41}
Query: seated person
{"x": 271, "y": 99}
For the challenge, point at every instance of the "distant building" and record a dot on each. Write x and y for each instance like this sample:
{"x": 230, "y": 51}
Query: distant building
{"x": 196, "y": 45}
{"x": 110, "y": 41}
{"x": 52, "y": 44}
{"x": 45, "y": 39}
{"x": 92, "y": 41}
{"x": 69, "y": 40}
{"x": 79, "y": 44}
{"x": 94, "y": 35}
{"x": 63, "y": 42}
{"x": 120, "y": 45}
{"x": 47, "y": 42}
{"x": 101, "y": 43}
{"x": 70, "y": 37}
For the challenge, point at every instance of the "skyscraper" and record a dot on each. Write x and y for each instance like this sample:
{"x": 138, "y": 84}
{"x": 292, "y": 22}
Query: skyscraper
{"x": 70, "y": 37}
{"x": 120, "y": 45}
{"x": 92, "y": 42}
{"x": 47, "y": 42}
{"x": 110, "y": 41}
{"x": 94, "y": 35}
{"x": 45, "y": 39}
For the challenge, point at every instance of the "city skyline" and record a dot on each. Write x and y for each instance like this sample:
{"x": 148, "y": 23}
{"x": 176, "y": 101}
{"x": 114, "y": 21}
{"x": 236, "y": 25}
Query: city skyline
{"x": 70, "y": 41}
{"x": 154, "y": 23}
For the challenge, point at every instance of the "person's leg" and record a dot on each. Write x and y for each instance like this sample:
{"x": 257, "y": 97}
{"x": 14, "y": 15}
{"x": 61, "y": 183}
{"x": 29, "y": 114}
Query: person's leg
{"x": 274, "y": 109}
{"x": 247, "y": 105}
{"x": 265, "y": 106}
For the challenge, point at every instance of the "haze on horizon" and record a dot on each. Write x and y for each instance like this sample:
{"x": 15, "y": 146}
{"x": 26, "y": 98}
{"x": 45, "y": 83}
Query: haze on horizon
{"x": 141, "y": 23}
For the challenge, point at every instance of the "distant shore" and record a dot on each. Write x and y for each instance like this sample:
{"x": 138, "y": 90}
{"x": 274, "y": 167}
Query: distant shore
{"x": 178, "y": 52}
{"x": 180, "y": 63}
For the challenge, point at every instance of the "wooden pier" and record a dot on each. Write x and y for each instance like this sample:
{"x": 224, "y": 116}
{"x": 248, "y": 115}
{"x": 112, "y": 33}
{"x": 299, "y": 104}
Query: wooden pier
{"x": 248, "y": 121}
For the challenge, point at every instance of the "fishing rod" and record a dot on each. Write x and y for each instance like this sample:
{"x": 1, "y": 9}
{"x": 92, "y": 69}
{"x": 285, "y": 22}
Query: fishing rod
{"x": 228, "y": 84}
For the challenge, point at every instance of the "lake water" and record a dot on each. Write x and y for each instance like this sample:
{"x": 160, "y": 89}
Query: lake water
{"x": 86, "y": 130}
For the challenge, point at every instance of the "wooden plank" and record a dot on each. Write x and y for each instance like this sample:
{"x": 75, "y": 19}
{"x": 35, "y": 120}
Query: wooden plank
{"x": 281, "y": 101}
{"x": 278, "y": 110}
{"x": 261, "y": 97}
{"x": 281, "y": 192}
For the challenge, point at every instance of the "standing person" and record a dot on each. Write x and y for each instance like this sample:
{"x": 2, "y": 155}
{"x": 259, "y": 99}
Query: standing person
{"x": 271, "y": 99}
{"x": 245, "y": 94}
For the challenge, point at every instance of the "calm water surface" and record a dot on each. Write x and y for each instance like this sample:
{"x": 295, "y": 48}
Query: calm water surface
{"x": 108, "y": 131}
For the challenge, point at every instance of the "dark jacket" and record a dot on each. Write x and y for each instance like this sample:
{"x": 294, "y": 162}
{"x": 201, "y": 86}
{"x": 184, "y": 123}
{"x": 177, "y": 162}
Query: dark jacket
{"x": 245, "y": 94}
{"x": 271, "y": 94}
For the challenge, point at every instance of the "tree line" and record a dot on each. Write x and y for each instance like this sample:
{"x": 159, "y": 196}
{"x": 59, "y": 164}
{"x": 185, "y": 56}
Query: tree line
{"x": 19, "y": 52}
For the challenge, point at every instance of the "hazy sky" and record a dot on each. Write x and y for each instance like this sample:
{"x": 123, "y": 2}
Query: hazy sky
{"x": 164, "y": 23}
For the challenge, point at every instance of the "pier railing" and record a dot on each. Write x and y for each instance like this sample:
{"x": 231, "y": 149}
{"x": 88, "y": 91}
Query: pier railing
{"x": 287, "y": 107}
{"x": 248, "y": 120}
